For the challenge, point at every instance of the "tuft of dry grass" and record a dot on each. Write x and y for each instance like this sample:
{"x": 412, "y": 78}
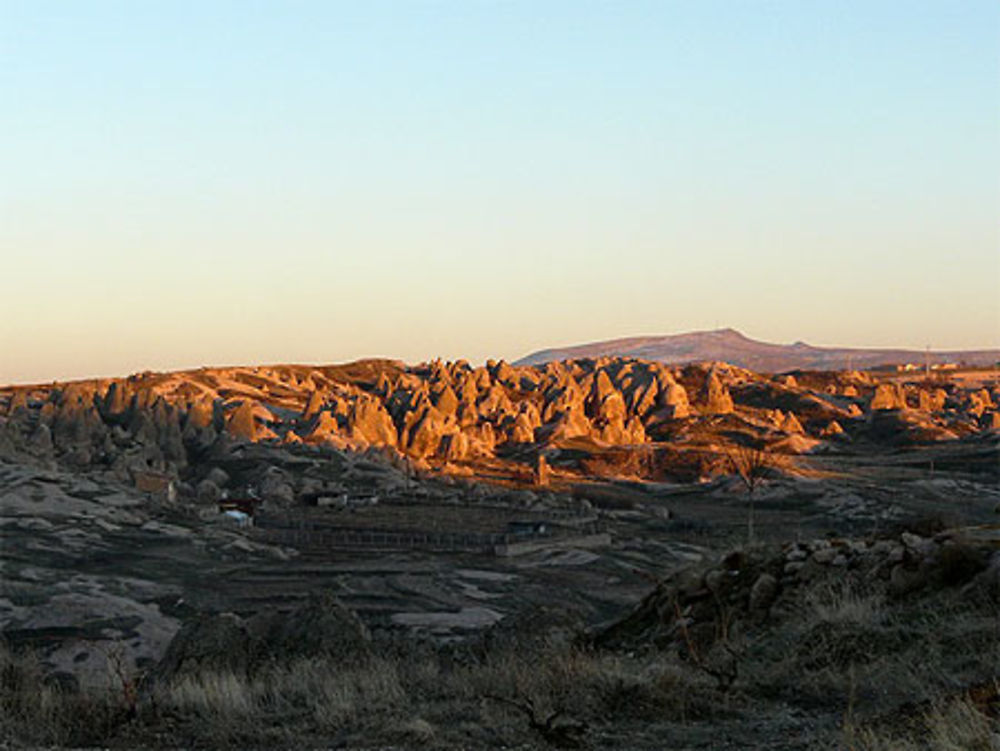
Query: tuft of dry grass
{"x": 956, "y": 725}
{"x": 328, "y": 693}
{"x": 212, "y": 695}
{"x": 843, "y": 604}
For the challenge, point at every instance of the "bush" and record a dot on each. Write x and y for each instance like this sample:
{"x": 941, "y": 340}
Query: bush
{"x": 35, "y": 709}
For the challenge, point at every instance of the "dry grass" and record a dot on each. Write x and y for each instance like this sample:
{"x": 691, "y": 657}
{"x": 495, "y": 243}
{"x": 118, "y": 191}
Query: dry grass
{"x": 844, "y": 604}
{"x": 845, "y": 655}
{"x": 881, "y": 661}
{"x": 36, "y": 710}
{"x": 322, "y": 695}
{"x": 419, "y": 700}
{"x": 956, "y": 725}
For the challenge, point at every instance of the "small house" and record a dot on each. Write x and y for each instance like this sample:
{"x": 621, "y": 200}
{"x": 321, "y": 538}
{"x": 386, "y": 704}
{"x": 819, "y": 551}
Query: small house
{"x": 158, "y": 484}
{"x": 241, "y": 510}
{"x": 527, "y": 528}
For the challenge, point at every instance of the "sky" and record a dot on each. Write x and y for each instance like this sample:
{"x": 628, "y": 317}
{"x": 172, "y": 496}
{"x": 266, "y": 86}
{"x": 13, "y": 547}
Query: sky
{"x": 247, "y": 182}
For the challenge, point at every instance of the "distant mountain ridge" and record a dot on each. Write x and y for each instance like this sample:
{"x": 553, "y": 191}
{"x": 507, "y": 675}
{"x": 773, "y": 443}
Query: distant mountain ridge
{"x": 729, "y": 345}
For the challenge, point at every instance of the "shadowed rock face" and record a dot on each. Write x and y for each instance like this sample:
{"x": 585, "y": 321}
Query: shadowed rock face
{"x": 450, "y": 412}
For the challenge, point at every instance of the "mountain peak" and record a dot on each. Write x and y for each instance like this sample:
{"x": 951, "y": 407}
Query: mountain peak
{"x": 732, "y": 346}
{"x": 730, "y": 333}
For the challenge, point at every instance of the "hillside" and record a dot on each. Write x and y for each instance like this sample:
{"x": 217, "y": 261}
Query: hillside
{"x": 729, "y": 345}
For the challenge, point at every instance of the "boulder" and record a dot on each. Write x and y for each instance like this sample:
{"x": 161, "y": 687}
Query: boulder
{"x": 763, "y": 593}
{"x": 467, "y": 390}
{"x": 504, "y": 373}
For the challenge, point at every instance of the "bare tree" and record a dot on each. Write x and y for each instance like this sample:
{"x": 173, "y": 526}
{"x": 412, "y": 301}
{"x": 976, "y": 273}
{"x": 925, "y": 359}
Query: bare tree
{"x": 752, "y": 465}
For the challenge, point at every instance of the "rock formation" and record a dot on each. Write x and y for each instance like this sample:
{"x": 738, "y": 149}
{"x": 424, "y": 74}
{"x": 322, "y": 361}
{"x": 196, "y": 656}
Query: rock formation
{"x": 888, "y": 396}
{"x": 715, "y": 396}
{"x": 450, "y": 412}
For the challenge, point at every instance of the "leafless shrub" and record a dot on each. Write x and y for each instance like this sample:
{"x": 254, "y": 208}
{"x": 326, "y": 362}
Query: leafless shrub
{"x": 554, "y": 727}
{"x": 753, "y": 465}
{"x": 34, "y": 710}
{"x": 124, "y": 680}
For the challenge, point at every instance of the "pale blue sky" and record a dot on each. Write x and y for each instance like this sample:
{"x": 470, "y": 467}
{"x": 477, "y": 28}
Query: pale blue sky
{"x": 189, "y": 183}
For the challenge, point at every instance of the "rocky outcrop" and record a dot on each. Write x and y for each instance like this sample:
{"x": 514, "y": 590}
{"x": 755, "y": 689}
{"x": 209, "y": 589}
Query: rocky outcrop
{"x": 226, "y": 643}
{"x": 887, "y": 396}
{"x": 450, "y": 412}
{"x": 314, "y": 405}
{"x": 932, "y": 400}
{"x": 978, "y": 402}
{"x": 570, "y": 423}
{"x": 424, "y": 439}
{"x": 683, "y": 610}
{"x": 241, "y": 422}
{"x": 673, "y": 400}
{"x": 990, "y": 421}
{"x": 790, "y": 424}
{"x": 324, "y": 428}
{"x": 715, "y": 397}
{"x": 370, "y": 423}
{"x": 832, "y": 430}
